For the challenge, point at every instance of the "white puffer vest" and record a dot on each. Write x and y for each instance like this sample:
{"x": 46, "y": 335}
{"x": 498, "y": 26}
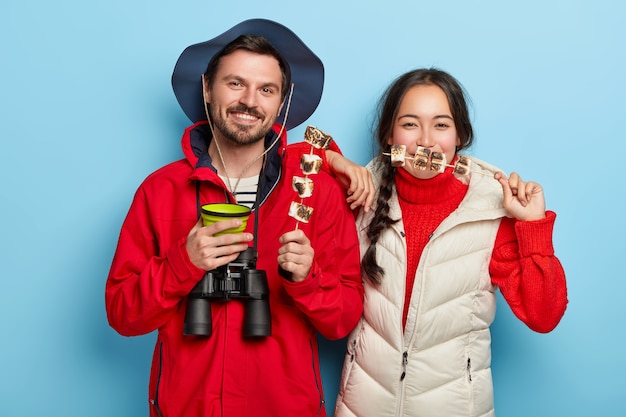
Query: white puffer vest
{"x": 439, "y": 366}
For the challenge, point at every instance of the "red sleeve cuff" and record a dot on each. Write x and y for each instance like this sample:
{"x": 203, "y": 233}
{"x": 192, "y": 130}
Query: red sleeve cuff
{"x": 186, "y": 273}
{"x": 535, "y": 237}
{"x": 305, "y": 287}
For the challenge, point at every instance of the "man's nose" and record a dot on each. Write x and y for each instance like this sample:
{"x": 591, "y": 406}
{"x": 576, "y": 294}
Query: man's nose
{"x": 249, "y": 98}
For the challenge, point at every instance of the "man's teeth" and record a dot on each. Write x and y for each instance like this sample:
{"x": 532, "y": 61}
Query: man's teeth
{"x": 246, "y": 116}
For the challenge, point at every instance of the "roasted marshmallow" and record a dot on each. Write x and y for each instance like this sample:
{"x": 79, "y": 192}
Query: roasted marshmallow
{"x": 437, "y": 161}
{"x": 303, "y": 186}
{"x": 310, "y": 163}
{"x": 420, "y": 160}
{"x": 317, "y": 138}
{"x": 300, "y": 212}
{"x": 398, "y": 153}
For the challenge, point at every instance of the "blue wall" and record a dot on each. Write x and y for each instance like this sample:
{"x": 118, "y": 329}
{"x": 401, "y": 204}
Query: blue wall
{"x": 87, "y": 112}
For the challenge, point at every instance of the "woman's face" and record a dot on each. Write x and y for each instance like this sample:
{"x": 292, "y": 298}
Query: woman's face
{"x": 424, "y": 119}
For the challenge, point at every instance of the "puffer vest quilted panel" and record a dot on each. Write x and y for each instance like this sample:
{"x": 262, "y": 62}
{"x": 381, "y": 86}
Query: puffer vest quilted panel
{"x": 439, "y": 365}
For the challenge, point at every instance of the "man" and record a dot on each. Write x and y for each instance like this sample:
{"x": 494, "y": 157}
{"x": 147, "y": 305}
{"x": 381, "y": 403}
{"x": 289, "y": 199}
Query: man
{"x": 239, "y": 154}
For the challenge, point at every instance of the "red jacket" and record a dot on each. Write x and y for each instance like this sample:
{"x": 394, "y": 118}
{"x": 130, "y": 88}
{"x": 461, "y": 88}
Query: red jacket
{"x": 226, "y": 374}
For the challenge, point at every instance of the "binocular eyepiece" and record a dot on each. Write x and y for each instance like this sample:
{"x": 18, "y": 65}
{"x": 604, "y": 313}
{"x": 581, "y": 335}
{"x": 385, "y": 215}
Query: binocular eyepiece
{"x": 237, "y": 280}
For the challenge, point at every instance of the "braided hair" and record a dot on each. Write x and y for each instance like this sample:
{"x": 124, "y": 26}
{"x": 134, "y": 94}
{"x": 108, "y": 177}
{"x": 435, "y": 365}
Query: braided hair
{"x": 387, "y": 112}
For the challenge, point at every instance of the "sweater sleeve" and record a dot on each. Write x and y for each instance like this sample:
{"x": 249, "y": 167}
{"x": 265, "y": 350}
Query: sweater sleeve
{"x": 529, "y": 275}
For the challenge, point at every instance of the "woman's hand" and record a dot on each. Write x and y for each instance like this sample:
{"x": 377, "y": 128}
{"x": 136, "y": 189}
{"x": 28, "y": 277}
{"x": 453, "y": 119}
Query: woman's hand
{"x": 357, "y": 180}
{"x": 523, "y": 200}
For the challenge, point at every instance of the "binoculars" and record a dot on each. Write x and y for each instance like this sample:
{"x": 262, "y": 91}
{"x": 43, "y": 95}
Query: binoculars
{"x": 236, "y": 280}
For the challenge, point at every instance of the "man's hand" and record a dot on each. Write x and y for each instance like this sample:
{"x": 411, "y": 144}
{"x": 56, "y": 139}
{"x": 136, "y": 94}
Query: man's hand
{"x": 295, "y": 256}
{"x": 209, "y": 252}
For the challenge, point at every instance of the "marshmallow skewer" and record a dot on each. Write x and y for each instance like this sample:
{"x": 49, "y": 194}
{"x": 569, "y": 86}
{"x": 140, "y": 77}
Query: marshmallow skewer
{"x": 310, "y": 164}
{"x": 437, "y": 160}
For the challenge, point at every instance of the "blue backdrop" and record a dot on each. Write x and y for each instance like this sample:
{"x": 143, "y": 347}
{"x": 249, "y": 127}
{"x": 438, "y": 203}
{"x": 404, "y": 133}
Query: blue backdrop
{"x": 87, "y": 111}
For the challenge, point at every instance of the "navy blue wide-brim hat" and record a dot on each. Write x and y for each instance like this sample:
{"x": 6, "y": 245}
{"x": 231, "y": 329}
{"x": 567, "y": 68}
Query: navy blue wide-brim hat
{"x": 307, "y": 70}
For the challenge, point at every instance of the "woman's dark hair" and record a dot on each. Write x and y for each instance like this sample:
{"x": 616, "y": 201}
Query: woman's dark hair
{"x": 252, "y": 43}
{"x": 387, "y": 111}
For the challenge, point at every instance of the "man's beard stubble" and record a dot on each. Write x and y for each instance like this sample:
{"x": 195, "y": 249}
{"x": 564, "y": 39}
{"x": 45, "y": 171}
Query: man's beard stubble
{"x": 239, "y": 134}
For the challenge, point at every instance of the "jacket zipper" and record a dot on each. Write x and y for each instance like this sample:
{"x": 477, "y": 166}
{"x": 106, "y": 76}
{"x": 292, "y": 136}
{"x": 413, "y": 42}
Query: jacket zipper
{"x": 155, "y": 400}
{"x": 317, "y": 377}
{"x": 400, "y": 397}
{"x": 405, "y": 361}
{"x": 351, "y": 351}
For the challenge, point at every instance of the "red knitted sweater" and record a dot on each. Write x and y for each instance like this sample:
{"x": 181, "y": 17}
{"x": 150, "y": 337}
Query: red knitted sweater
{"x": 523, "y": 264}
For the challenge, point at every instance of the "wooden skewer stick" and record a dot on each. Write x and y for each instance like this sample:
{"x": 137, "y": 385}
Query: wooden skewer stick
{"x": 448, "y": 165}
{"x": 471, "y": 170}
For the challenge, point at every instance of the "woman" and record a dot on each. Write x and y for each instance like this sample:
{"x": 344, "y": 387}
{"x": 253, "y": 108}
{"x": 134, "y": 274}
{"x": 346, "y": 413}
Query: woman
{"x": 434, "y": 247}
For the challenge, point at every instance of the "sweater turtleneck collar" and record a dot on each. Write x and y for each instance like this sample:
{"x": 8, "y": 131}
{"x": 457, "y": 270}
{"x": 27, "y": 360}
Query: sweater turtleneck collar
{"x": 438, "y": 189}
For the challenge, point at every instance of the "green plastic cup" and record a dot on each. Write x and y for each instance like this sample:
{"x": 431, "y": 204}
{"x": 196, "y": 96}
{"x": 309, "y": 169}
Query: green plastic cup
{"x": 218, "y": 212}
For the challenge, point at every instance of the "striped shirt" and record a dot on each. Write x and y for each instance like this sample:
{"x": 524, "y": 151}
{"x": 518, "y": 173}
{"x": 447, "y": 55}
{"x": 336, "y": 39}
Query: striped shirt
{"x": 245, "y": 192}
